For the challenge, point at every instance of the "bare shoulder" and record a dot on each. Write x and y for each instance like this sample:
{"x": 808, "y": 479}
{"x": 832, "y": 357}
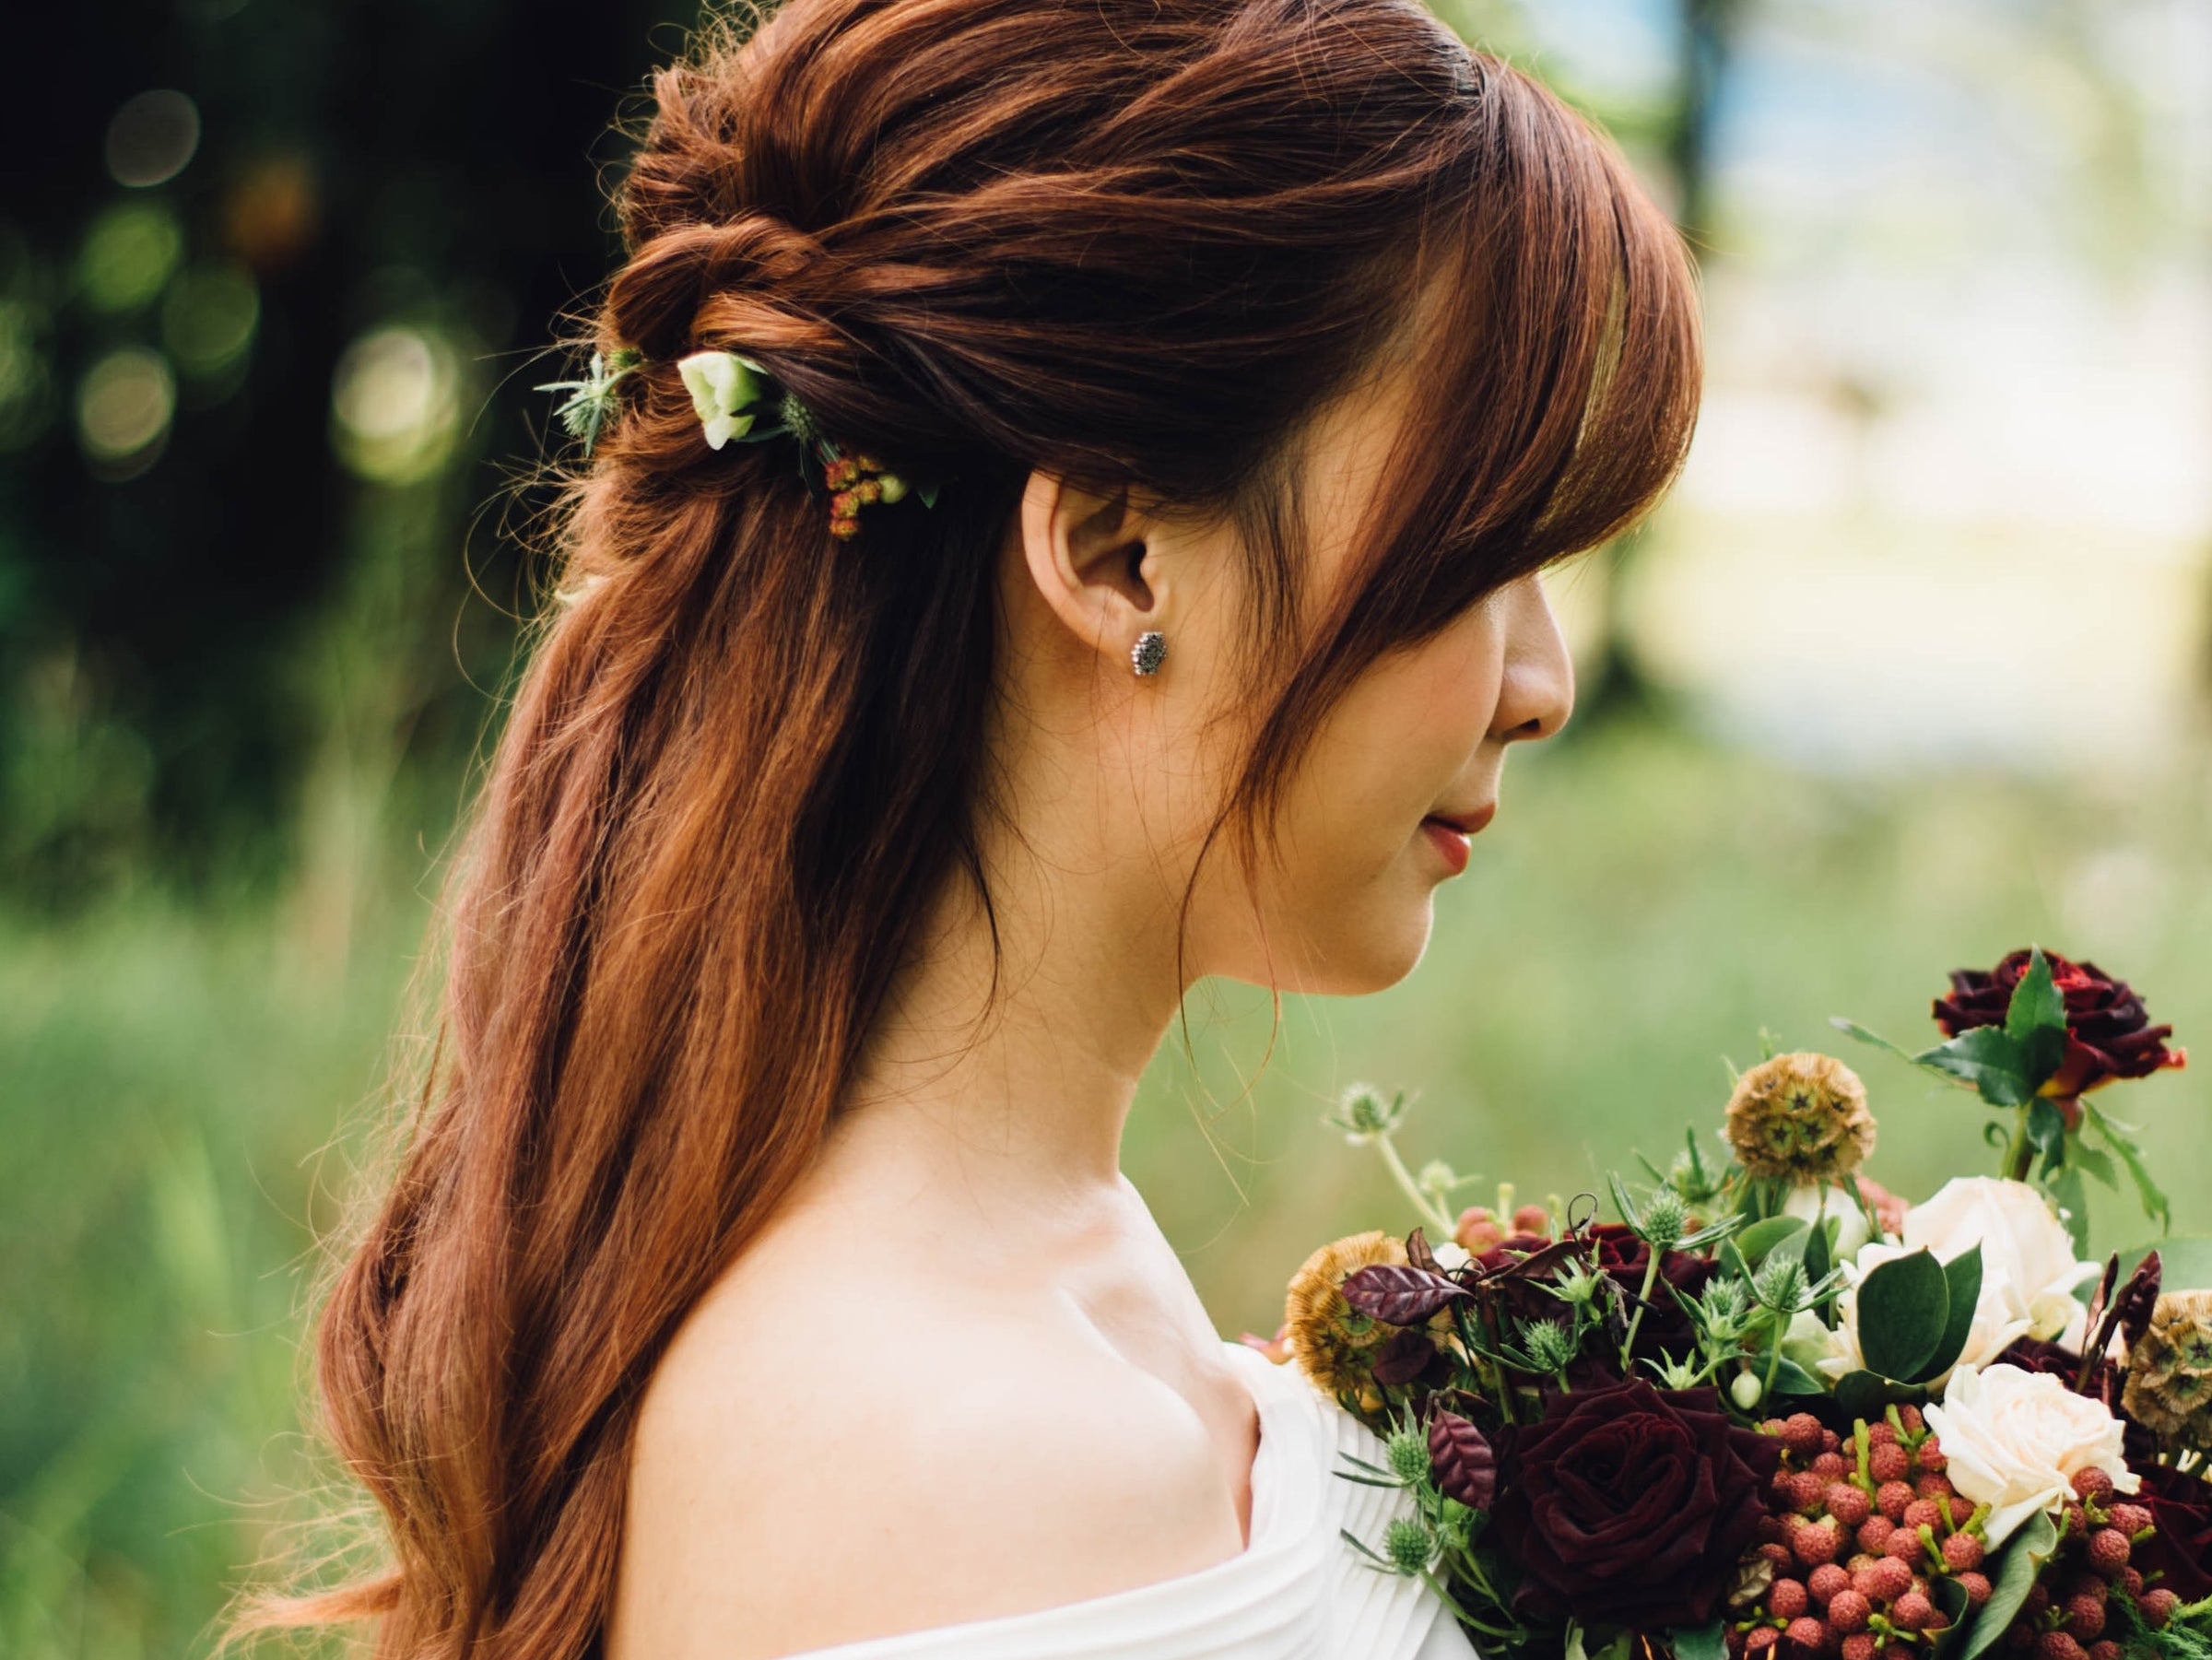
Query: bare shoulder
{"x": 818, "y": 1463}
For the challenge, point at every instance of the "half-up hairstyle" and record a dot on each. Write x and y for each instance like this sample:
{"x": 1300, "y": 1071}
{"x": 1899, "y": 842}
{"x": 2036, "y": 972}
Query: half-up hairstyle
{"x": 1132, "y": 242}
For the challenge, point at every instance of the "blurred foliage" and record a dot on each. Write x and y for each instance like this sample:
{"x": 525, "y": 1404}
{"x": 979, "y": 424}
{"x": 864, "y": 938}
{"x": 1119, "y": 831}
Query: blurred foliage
{"x": 186, "y": 1091}
{"x": 257, "y": 301}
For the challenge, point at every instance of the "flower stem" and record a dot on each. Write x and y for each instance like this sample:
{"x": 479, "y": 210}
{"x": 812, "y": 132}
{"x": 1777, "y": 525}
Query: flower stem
{"x": 1651, "y": 1278}
{"x": 2020, "y": 1154}
{"x": 1403, "y": 1177}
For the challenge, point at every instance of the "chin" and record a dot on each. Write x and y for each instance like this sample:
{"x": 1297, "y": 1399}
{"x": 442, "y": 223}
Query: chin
{"x": 1369, "y": 954}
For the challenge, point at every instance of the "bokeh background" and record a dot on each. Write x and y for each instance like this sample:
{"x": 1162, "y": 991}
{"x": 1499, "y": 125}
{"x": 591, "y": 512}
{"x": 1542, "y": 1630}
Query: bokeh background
{"x": 1914, "y": 668}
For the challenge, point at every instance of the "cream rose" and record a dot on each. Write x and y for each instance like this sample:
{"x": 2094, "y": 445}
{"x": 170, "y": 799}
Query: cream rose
{"x": 2014, "y": 1440}
{"x": 2029, "y": 1270}
{"x": 2027, "y": 1256}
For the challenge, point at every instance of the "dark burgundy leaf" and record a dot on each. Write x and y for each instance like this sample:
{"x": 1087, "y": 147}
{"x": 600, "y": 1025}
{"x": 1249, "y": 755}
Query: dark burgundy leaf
{"x": 1398, "y": 1295}
{"x": 1466, "y": 1466}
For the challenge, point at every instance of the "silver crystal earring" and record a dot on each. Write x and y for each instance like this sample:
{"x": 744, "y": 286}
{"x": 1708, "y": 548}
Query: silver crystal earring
{"x": 1145, "y": 655}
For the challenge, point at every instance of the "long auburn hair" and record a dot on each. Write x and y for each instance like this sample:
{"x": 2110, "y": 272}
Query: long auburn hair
{"x": 1135, "y": 243}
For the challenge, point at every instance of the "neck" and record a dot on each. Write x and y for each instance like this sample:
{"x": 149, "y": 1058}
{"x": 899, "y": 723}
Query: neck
{"x": 1019, "y": 1102}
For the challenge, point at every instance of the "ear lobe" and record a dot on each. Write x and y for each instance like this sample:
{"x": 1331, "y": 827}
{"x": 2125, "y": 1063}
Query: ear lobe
{"x": 1086, "y": 554}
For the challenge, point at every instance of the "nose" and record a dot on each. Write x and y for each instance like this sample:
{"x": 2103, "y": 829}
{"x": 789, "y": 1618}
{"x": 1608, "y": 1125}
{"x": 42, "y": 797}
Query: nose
{"x": 1537, "y": 695}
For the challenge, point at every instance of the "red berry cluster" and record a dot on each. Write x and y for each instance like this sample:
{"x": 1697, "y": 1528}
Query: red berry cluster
{"x": 855, "y": 481}
{"x": 1861, "y": 1533}
{"x": 2069, "y": 1608}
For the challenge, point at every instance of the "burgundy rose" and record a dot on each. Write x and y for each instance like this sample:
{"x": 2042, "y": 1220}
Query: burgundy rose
{"x": 2109, "y": 1035}
{"x": 1630, "y": 1505}
{"x": 2180, "y": 1506}
{"x": 1665, "y": 1328}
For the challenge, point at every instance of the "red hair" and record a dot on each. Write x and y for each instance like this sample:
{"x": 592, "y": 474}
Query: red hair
{"x": 1131, "y": 241}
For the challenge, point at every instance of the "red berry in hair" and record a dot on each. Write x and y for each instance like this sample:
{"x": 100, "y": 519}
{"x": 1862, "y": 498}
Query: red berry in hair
{"x": 1889, "y": 1462}
{"x": 2108, "y": 1550}
{"x": 2105, "y": 1649}
{"x": 1787, "y": 1598}
{"x": 1891, "y": 1498}
{"x": 1879, "y": 1433}
{"x": 1817, "y": 1542}
{"x": 1825, "y": 1581}
{"x": 1962, "y": 1551}
{"x": 2131, "y": 1519}
{"x": 1848, "y": 1504}
{"x": 1849, "y": 1610}
{"x": 1924, "y": 1512}
{"x": 1830, "y": 1464}
{"x": 1874, "y": 1533}
{"x": 1780, "y": 1555}
{"x": 2038, "y": 1599}
{"x": 2059, "y": 1645}
{"x": 2157, "y": 1605}
{"x": 2131, "y": 1580}
{"x": 1830, "y": 1441}
{"x": 1862, "y": 1645}
{"x": 2089, "y": 1482}
{"x": 1806, "y": 1490}
{"x": 1962, "y": 1508}
{"x": 1910, "y": 1416}
{"x": 1801, "y": 1434}
{"x": 1763, "y": 1638}
{"x": 2085, "y": 1619}
{"x": 1770, "y": 1529}
{"x": 1934, "y": 1486}
{"x": 1912, "y": 1611}
{"x": 1897, "y": 1651}
{"x": 1931, "y": 1457}
{"x": 1903, "y": 1546}
{"x": 1808, "y": 1633}
{"x": 1977, "y": 1588}
{"x": 2019, "y": 1635}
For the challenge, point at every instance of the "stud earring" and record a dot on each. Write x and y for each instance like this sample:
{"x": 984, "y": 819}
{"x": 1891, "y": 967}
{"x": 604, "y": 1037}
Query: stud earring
{"x": 1145, "y": 654}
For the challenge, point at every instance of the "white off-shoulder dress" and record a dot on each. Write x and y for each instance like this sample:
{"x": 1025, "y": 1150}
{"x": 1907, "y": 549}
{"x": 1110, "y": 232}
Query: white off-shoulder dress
{"x": 1296, "y": 1592}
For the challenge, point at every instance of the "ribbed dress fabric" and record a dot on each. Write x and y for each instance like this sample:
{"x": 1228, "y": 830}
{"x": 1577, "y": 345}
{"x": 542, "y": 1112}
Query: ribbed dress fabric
{"x": 1296, "y": 1592}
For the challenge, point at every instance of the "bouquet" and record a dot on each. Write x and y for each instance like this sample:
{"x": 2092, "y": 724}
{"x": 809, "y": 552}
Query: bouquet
{"x": 1767, "y": 1409}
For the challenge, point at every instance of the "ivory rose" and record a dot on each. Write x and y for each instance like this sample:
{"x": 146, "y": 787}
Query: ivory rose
{"x": 2029, "y": 1269}
{"x": 2014, "y": 1440}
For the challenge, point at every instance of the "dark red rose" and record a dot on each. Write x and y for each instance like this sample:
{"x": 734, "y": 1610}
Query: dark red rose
{"x": 1630, "y": 1505}
{"x": 2180, "y": 1506}
{"x": 1664, "y": 1327}
{"x": 2109, "y": 1035}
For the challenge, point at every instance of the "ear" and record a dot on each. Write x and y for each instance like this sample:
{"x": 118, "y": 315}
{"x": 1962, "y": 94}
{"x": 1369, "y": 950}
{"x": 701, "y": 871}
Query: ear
{"x": 1097, "y": 560}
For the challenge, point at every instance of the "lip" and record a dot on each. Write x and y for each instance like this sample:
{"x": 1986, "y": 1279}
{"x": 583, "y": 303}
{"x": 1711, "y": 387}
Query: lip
{"x": 1468, "y": 823}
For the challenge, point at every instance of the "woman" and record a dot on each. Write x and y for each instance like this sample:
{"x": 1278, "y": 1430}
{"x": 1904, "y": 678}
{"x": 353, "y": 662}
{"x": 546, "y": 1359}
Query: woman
{"x": 759, "y": 1279}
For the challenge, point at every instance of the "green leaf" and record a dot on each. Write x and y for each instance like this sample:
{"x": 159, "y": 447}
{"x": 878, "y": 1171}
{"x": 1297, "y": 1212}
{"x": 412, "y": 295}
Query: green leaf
{"x": 1950, "y": 1597}
{"x": 1817, "y": 1257}
{"x": 2047, "y": 1134}
{"x": 928, "y": 492}
{"x": 1791, "y": 1378}
{"x": 2093, "y": 1162}
{"x": 2017, "y": 1567}
{"x": 2072, "y": 1201}
{"x": 1700, "y": 1642}
{"x": 1865, "y": 1393}
{"x": 1904, "y": 1312}
{"x": 2155, "y": 1206}
{"x": 1989, "y": 1058}
{"x": 1875, "y": 1038}
{"x": 1760, "y": 1240}
{"x": 2037, "y": 1003}
{"x": 1962, "y": 1285}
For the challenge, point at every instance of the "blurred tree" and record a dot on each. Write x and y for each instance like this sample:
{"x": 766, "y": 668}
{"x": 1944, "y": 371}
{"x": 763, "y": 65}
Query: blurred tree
{"x": 221, "y": 198}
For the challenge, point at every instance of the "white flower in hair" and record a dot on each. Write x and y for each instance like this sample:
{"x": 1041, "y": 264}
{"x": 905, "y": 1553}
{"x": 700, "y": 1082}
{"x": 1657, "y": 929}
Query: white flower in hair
{"x": 722, "y": 384}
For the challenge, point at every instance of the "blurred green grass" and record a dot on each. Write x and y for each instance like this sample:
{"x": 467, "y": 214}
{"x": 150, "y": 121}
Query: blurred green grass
{"x": 180, "y": 1087}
